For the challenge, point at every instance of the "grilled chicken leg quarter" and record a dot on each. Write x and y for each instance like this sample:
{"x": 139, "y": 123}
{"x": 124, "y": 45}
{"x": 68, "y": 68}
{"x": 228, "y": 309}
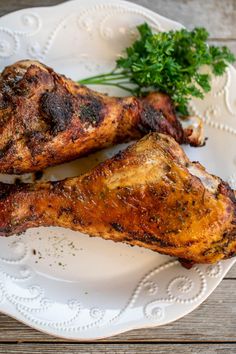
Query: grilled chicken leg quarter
{"x": 150, "y": 195}
{"x": 46, "y": 119}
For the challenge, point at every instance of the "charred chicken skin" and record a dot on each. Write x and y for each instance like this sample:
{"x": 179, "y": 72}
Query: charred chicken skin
{"x": 156, "y": 199}
{"x": 47, "y": 119}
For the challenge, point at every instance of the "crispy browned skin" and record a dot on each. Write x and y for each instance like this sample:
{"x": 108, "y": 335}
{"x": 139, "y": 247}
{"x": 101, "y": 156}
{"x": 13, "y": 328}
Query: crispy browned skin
{"x": 46, "y": 119}
{"x": 148, "y": 196}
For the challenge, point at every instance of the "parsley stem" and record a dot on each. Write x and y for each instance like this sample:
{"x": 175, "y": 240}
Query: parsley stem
{"x": 115, "y": 84}
{"x": 168, "y": 62}
{"x": 106, "y": 76}
{"x": 99, "y": 80}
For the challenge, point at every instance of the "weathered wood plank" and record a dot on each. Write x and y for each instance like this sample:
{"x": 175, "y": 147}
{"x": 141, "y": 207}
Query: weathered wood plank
{"x": 118, "y": 348}
{"x": 216, "y": 15}
{"x": 232, "y": 273}
{"x": 214, "y": 320}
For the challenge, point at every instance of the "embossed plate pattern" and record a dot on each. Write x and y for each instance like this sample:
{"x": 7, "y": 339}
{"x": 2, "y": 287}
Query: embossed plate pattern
{"x": 66, "y": 283}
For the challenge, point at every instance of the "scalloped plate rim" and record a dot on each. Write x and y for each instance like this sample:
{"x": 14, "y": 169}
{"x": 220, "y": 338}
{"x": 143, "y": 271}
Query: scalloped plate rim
{"x": 124, "y": 329}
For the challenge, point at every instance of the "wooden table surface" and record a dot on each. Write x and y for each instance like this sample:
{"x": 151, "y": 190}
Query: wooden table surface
{"x": 211, "y": 328}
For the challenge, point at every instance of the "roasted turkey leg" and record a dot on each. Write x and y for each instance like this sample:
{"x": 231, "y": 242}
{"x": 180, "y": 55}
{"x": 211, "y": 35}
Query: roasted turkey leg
{"x": 46, "y": 119}
{"x": 150, "y": 195}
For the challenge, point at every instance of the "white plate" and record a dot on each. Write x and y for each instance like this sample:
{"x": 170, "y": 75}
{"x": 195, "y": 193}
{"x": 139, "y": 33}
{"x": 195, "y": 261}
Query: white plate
{"x": 75, "y": 286}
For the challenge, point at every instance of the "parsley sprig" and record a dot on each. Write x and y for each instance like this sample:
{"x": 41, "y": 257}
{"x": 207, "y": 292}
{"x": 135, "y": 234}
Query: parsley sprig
{"x": 169, "y": 62}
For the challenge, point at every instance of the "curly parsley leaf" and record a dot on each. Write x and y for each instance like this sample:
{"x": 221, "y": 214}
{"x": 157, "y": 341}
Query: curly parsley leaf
{"x": 169, "y": 62}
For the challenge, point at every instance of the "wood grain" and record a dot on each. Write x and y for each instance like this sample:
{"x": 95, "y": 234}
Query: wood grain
{"x": 232, "y": 273}
{"x": 118, "y": 348}
{"x": 216, "y": 15}
{"x": 215, "y": 320}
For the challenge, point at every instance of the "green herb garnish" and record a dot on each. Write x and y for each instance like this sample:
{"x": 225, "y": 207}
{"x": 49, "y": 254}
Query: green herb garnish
{"x": 169, "y": 62}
